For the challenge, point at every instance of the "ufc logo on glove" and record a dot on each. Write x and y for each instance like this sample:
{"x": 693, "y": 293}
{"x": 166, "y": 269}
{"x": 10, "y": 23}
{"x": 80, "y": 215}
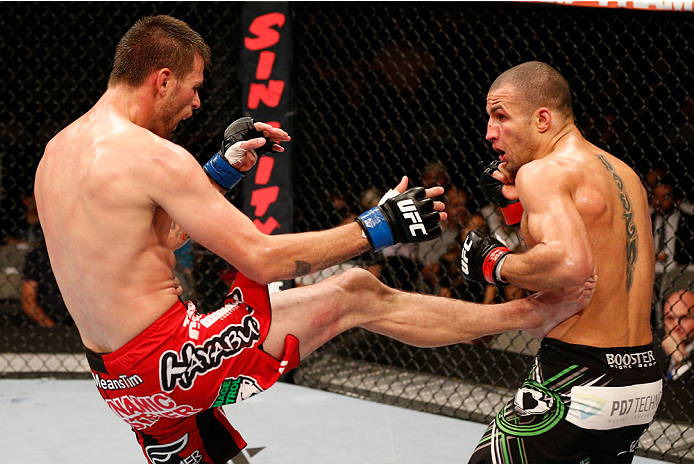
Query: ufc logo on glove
{"x": 409, "y": 211}
{"x": 407, "y": 217}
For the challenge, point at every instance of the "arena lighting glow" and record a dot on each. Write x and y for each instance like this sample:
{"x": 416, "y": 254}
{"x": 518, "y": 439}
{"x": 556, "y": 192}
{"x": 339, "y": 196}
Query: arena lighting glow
{"x": 631, "y": 5}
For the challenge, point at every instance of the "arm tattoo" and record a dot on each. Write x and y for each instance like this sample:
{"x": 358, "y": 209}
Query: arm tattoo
{"x": 632, "y": 247}
{"x": 302, "y": 268}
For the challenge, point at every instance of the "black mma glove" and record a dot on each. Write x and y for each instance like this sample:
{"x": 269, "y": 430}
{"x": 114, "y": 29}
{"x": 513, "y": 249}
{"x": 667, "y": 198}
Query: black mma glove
{"x": 222, "y": 167}
{"x": 407, "y": 217}
{"x": 511, "y": 209}
{"x": 481, "y": 258}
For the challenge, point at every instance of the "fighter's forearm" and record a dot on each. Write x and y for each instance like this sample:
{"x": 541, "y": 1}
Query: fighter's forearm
{"x": 292, "y": 255}
{"x": 545, "y": 268}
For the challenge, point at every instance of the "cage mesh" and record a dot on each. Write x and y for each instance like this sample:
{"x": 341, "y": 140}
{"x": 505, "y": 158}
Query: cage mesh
{"x": 381, "y": 90}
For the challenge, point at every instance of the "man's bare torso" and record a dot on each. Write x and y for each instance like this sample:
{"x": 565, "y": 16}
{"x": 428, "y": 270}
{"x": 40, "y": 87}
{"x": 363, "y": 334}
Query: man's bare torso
{"x": 107, "y": 239}
{"x": 610, "y": 199}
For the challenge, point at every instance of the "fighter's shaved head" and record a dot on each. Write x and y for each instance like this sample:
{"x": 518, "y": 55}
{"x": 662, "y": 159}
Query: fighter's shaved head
{"x": 538, "y": 84}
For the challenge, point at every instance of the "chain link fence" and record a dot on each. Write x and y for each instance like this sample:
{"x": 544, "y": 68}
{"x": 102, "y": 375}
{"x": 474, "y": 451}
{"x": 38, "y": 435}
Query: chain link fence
{"x": 381, "y": 90}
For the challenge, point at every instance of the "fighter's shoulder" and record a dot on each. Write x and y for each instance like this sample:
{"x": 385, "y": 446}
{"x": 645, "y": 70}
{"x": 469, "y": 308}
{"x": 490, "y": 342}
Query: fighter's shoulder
{"x": 615, "y": 167}
{"x": 167, "y": 152}
{"x": 148, "y": 150}
{"x": 550, "y": 169}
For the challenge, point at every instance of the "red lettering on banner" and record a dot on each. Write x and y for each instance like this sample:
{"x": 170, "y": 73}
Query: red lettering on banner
{"x": 265, "y": 62}
{"x": 262, "y": 198}
{"x": 263, "y": 34}
{"x": 261, "y": 27}
{"x": 262, "y": 173}
{"x": 270, "y": 94}
{"x": 268, "y": 226}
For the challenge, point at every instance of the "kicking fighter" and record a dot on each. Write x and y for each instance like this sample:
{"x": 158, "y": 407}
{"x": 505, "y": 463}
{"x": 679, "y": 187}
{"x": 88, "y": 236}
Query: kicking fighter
{"x": 594, "y": 386}
{"x": 114, "y": 196}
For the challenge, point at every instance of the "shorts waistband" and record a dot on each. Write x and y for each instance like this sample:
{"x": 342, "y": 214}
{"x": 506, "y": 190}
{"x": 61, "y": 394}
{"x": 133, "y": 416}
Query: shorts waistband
{"x": 628, "y": 362}
{"x": 97, "y": 361}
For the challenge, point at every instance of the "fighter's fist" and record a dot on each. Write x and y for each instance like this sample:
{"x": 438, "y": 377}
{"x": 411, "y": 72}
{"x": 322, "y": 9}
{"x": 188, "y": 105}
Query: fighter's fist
{"x": 239, "y": 131}
{"x": 242, "y": 145}
{"x": 491, "y": 187}
{"x": 481, "y": 258}
{"x": 407, "y": 217}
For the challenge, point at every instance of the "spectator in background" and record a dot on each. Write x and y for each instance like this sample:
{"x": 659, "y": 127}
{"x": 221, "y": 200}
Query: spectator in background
{"x": 493, "y": 294}
{"x": 41, "y": 298}
{"x": 673, "y": 228}
{"x": 680, "y": 132}
{"x": 653, "y": 178}
{"x": 398, "y": 266}
{"x": 678, "y": 321}
{"x": 369, "y": 198}
{"x": 184, "y": 270}
{"x": 431, "y": 252}
{"x": 340, "y": 210}
{"x": 21, "y": 236}
{"x": 509, "y": 236}
{"x": 456, "y": 205}
{"x": 444, "y": 276}
{"x": 33, "y": 233}
{"x": 368, "y": 260}
{"x": 461, "y": 288}
{"x": 26, "y": 233}
{"x": 498, "y": 228}
{"x": 435, "y": 173}
{"x": 678, "y": 340}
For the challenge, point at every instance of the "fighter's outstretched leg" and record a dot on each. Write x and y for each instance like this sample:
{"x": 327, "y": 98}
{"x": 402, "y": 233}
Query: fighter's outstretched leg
{"x": 355, "y": 298}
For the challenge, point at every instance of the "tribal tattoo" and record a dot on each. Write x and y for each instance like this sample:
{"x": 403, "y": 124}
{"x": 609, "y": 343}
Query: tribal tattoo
{"x": 632, "y": 248}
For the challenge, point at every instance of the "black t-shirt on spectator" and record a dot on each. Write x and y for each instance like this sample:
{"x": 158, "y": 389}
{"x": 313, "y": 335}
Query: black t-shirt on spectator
{"x": 37, "y": 267}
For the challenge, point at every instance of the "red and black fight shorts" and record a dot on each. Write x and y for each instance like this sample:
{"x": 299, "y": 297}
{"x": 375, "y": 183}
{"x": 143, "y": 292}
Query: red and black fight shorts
{"x": 170, "y": 382}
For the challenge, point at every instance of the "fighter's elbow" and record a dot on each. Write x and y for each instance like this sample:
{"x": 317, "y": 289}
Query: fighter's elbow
{"x": 264, "y": 268}
{"x": 260, "y": 276}
{"x": 265, "y": 278}
{"x": 576, "y": 270}
{"x": 255, "y": 260}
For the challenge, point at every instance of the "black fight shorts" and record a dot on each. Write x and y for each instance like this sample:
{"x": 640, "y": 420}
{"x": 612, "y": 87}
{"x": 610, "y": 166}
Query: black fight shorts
{"x": 580, "y": 405}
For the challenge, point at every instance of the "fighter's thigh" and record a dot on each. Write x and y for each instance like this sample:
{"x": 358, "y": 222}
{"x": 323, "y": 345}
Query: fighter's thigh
{"x": 316, "y": 313}
{"x": 562, "y": 444}
{"x": 620, "y": 445}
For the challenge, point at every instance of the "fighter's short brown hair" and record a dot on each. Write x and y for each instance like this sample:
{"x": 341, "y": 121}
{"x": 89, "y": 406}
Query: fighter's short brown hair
{"x": 157, "y": 42}
{"x": 539, "y": 85}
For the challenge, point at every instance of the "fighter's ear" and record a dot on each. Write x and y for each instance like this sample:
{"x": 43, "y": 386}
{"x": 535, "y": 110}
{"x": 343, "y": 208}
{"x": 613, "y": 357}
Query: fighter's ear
{"x": 543, "y": 119}
{"x": 163, "y": 80}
